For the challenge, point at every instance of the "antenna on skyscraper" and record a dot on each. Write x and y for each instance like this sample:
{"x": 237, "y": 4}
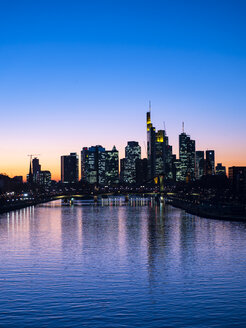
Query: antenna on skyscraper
{"x": 164, "y": 125}
{"x": 149, "y": 105}
{"x": 183, "y": 126}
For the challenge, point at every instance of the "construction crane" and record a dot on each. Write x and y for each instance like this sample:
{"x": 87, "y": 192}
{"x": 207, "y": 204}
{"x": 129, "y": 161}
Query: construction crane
{"x": 30, "y": 168}
{"x": 31, "y": 156}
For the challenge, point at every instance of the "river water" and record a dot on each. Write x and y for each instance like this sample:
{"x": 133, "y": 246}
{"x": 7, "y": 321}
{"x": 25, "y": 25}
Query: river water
{"x": 120, "y": 266}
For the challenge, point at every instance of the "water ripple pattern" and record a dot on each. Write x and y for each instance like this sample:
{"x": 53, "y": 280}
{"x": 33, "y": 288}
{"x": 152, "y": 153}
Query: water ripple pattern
{"x": 120, "y": 266}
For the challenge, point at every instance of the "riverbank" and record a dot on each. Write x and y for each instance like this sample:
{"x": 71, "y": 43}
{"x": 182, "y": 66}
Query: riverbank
{"x": 206, "y": 210}
{"x": 13, "y": 206}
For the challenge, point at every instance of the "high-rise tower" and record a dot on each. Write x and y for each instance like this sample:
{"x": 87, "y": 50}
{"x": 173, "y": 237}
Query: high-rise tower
{"x": 69, "y": 168}
{"x": 186, "y": 157}
{"x": 159, "y": 152}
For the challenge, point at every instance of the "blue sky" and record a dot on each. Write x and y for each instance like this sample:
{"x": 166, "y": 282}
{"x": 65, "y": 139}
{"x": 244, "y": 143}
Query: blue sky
{"x": 79, "y": 73}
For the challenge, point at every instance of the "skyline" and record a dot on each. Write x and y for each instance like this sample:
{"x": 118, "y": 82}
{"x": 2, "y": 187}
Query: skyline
{"x": 67, "y": 84}
{"x": 143, "y": 154}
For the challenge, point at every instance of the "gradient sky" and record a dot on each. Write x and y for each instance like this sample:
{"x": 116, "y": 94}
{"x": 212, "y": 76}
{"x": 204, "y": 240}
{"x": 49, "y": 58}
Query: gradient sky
{"x": 80, "y": 73}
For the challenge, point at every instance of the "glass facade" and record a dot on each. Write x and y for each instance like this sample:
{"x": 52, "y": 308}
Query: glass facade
{"x": 69, "y": 168}
{"x": 199, "y": 164}
{"x": 159, "y": 152}
{"x": 186, "y": 157}
{"x": 99, "y": 166}
{"x": 132, "y": 153}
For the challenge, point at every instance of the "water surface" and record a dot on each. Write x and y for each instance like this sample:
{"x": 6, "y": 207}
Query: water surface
{"x": 120, "y": 266}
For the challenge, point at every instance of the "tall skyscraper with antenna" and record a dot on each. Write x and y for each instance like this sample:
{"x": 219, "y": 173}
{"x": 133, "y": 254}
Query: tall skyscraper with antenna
{"x": 159, "y": 152}
{"x": 187, "y": 155}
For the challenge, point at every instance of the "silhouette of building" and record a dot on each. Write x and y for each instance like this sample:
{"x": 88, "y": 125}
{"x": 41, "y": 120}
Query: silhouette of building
{"x": 237, "y": 177}
{"x": 141, "y": 171}
{"x": 18, "y": 179}
{"x": 29, "y": 176}
{"x": 36, "y": 168}
{"x": 200, "y": 163}
{"x": 210, "y": 162}
{"x": 220, "y": 169}
{"x": 122, "y": 169}
{"x": 69, "y": 168}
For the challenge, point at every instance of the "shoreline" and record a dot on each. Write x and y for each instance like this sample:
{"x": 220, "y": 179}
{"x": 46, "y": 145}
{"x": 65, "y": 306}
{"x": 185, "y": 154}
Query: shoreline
{"x": 209, "y": 211}
{"x": 205, "y": 212}
{"x": 24, "y": 204}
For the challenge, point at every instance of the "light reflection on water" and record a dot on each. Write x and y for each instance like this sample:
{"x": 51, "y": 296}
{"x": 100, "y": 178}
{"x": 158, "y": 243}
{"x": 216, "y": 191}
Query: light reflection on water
{"x": 120, "y": 266}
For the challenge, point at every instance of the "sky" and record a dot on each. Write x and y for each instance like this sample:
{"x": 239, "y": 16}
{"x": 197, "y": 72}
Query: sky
{"x": 79, "y": 73}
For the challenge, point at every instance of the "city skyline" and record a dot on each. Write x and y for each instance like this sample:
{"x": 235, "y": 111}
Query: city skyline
{"x": 66, "y": 83}
{"x": 57, "y": 175}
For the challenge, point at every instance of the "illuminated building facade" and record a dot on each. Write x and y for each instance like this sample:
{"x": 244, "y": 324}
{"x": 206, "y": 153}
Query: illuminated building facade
{"x": 112, "y": 167}
{"x": 200, "y": 163}
{"x": 45, "y": 178}
{"x": 93, "y": 164}
{"x": 99, "y": 166}
{"x": 128, "y": 164}
{"x": 36, "y": 168}
{"x": 69, "y": 168}
{"x": 186, "y": 158}
{"x": 159, "y": 152}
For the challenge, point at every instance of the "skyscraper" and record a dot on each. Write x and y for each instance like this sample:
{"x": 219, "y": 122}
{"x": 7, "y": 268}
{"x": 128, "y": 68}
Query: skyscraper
{"x": 36, "y": 168}
{"x": 159, "y": 152}
{"x": 93, "y": 164}
{"x": 210, "y": 162}
{"x": 132, "y": 153}
{"x": 141, "y": 171}
{"x": 112, "y": 167}
{"x": 45, "y": 178}
{"x": 99, "y": 166}
{"x": 237, "y": 177}
{"x": 69, "y": 168}
{"x": 186, "y": 157}
{"x": 151, "y": 149}
{"x": 200, "y": 163}
{"x": 220, "y": 169}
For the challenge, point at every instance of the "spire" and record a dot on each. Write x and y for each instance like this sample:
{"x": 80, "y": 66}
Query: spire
{"x": 30, "y": 168}
{"x": 149, "y": 105}
{"x": 182, "y": 127}
{"x": 164, "y": 125}
{"x": 30, "y": 171}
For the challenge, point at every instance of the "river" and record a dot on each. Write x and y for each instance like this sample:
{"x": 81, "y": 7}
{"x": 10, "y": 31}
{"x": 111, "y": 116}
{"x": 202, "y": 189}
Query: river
{"x": 134, "y": 265}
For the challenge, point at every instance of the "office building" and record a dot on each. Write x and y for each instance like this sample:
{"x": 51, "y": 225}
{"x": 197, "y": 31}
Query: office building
{"x": 210, "y": 162}
{"x": 100, "y": 166}
{"x": 200, "y": 164}
{"x": 159, "y": 152}
{"x": 141, "y": 171}
{"x": 220, "y": 169}
{"x": 112, "y": 167}
{"x": 69, "y": 168}
{"x": 45, "y": 178}
{"x": 237, "y": 177}
{"x": 128, "y": 165}
{"x": 36, "y": 168}
{"x": 187, "y": 158}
